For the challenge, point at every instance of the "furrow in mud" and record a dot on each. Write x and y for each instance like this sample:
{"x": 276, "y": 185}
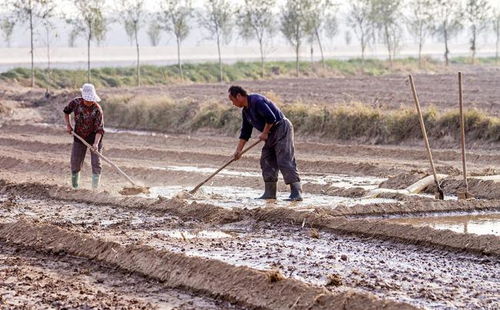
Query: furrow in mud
{"x": 160, "y": 157}
{"x": 341, "y": 159}
{"x": 223, "y": 145}
{"x": 425, "y": 236}
{"x": 243, "y": 285}
{"x": 315, "y": 256}
{"x": 35, "y": 280}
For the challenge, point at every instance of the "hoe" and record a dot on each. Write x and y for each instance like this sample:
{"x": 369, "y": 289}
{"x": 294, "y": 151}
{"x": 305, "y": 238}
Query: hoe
{"x": 135, "y": 189}
{"x": 440, "y": 193}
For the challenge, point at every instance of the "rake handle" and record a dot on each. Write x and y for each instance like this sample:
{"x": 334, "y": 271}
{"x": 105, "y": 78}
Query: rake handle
{"x": 224, "y": 166}
{"x": 424, "y": 132}
{"x": 104, "y": 158}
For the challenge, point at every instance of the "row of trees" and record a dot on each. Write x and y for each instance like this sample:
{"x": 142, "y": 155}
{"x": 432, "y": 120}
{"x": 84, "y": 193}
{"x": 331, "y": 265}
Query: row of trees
{"x": 299, "y": 21}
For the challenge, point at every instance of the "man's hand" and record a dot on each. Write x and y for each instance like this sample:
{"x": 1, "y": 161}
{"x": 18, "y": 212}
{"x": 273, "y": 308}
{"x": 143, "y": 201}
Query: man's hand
{"x": 237, "y": 155}
{"x": 69, "y": 129}
{"x": 263, "y": 136}
{"x": 96, "y": 147}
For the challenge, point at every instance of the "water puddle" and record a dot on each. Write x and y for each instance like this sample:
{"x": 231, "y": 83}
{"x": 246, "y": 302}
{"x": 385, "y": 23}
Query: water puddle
{"x": 336, "y": 180}
{"x": 480, "y": 224}
{"x": 188, "y": 235}
{"x": 243, "y": 197}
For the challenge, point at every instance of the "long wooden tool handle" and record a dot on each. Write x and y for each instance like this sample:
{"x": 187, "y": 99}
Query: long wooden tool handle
{"x": 462, "y": 126}
{"x": 224, "y": 166}
{"x": 422, "y": 127}
{"x": 104, "y": 158}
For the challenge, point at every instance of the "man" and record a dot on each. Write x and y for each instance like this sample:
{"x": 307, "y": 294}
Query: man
{"x": 277, "y": 132}
{"x": 89, "y": 125}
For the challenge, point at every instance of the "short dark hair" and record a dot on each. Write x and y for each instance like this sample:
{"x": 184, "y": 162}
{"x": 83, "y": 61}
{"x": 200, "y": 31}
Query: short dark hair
{"x": 235, "y": 90}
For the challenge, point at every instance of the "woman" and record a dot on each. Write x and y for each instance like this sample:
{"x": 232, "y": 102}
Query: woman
{"x": 89, "y": 125}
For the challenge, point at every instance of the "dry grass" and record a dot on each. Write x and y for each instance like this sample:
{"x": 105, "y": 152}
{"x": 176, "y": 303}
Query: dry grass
{"x": 353, "y": 121}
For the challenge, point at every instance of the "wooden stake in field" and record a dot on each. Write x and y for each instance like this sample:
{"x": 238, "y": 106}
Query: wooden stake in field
{"x": 466, "y": 194}
{"x": 440, "y": 193}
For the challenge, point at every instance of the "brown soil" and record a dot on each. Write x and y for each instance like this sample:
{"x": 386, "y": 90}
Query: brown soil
{"x": 251, "y": 288}
{"x": 367, "y": 264}
{"x": 37, "y": 280}
{"x": 35, "y": 180}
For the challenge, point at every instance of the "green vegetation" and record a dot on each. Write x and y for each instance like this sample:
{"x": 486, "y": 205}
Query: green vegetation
{"x": 348, "y": 122}
{"x": 481, "y": 61}
{"x": 209, "y": 72}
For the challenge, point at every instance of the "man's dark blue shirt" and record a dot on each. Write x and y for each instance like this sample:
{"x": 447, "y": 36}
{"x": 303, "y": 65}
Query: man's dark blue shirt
{"x": 260, "y": 111}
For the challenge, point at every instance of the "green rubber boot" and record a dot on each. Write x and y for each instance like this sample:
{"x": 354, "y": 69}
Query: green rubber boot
{"x": 75, "y": 178}
{"x": 95, "y": 180}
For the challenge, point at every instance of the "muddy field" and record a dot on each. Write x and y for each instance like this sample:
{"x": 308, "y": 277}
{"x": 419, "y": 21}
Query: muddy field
{"x": 357, "y": 241}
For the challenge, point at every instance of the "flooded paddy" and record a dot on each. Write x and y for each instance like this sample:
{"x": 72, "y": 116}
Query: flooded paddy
{"x": 242, "y": 197}
{"x": 480, "y": 224}
{"x": 407, "y": 273}
{"x": 334, "y": 180}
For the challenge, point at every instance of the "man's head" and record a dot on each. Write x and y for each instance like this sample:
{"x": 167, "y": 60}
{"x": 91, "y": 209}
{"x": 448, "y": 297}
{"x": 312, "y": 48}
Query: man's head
{"x": 238, "y": 96}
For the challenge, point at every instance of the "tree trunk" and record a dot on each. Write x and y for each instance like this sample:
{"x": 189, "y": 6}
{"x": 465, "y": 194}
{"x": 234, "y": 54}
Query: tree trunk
{"x": 48, "y": 58}
{"x": 363, "y": 47}
{"x": 220, "y": 59}
{"x": 388, "y": 44}
{"x": 138, "y": 57}
{"x": 312, "y": 56}
{"x": 32, "y": 48}
{"x": 446, "y": 50}
{"x": 179, "y": 58}
{"x": 473, "y": 45}
{"x": 496, "y": 50}
{"x": 261, "y": 43}
{"x": 88, "y": 52}
{"x": 320, "y": 49}
{"x": 297, "y": 68}
{"x": 48, "y": 50}
{"x": 420, "y": 44}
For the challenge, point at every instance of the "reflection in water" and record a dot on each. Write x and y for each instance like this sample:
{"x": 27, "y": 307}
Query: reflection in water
{"x": 482, "y": 224}
{"x": 243, "y": 197}
{"x": 203, "y": 234}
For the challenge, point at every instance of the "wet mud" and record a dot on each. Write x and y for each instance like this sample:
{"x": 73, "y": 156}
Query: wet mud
{"x": 480, "y": 224}
{"x": 36, "y": 280}
{"x": 304, "y": 253}
{"x": 340, "y": 248}
{"x": 243, "y": 285}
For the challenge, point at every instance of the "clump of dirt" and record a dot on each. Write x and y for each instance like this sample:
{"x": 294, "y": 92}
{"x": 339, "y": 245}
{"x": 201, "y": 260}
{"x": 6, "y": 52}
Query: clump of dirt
{"x": 4, "y": 109}
{"x": 134, "y": 190}
{"x": 353, "y": 192}
{"x": 403, "y": 180}
{"x": 482, "y": 189}
{"x": 275, "y": 275}
{"x": 314, "y": 233}
{"x": 333, "y": 280}
{"x": 185, "y": 194}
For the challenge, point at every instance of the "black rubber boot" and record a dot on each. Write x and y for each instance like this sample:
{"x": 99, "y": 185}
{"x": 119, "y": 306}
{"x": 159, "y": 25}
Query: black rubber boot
{"x": 269, "y": 191}
{"x": 295, "y": 192}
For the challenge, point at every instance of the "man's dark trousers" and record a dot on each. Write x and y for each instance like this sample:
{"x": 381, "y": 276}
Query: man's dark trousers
{"x": 278, "y": 154}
